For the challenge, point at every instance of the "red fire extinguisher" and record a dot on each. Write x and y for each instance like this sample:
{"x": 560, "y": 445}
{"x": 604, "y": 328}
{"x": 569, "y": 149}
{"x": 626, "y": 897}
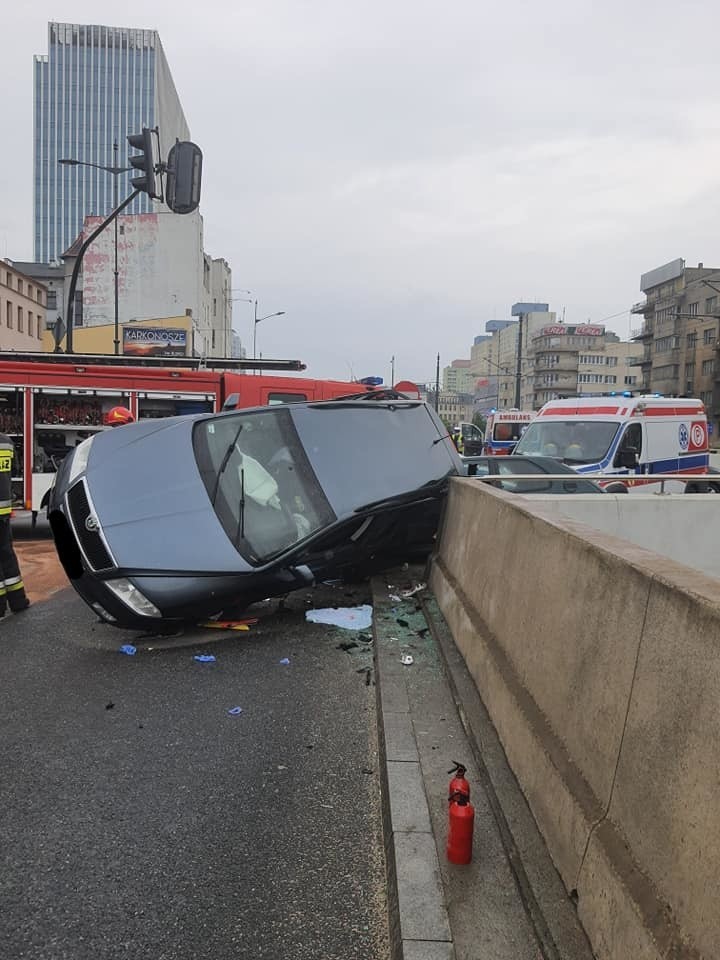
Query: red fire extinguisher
{"x": 460, "y": 829}
{"x": 459, "y": 784}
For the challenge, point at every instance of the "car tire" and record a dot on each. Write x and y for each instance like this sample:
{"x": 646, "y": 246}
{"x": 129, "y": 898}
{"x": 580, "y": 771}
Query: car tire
{"x": 616, "y": 487}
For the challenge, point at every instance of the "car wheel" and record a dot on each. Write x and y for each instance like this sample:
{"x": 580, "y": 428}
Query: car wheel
{"x": 616, "y": 488}
{"x": 702, "y": 488}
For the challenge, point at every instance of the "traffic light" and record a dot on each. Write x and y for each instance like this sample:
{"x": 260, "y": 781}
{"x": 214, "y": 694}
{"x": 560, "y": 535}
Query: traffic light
{"x": 143, "y": 162}
{"x": 184, "y": 173}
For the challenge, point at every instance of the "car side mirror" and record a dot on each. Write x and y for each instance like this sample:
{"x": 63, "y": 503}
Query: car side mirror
{"x": 627, "y": 458}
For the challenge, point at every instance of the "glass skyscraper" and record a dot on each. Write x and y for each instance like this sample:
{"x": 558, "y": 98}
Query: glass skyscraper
{"x": 95, "y": 86}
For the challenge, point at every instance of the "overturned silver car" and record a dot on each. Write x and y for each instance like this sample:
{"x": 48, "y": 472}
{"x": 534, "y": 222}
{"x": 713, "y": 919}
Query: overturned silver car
{"x": 166, "y": 522}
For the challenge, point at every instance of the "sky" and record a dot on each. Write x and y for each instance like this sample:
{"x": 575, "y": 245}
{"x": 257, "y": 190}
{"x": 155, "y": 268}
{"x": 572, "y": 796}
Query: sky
{"x": 394, "y": 174}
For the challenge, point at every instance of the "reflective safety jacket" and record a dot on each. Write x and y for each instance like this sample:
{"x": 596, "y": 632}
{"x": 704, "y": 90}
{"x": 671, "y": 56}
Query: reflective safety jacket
{"x": 7, "y": 452}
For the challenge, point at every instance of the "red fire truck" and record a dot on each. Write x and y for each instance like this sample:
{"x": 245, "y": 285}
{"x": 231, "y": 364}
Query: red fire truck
{"x": 50, "y": 402}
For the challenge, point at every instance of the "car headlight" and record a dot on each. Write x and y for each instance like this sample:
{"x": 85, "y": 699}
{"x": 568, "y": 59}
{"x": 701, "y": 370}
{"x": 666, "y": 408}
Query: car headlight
{"x": 80, "y": 459}
{"x": 132, "y": 597}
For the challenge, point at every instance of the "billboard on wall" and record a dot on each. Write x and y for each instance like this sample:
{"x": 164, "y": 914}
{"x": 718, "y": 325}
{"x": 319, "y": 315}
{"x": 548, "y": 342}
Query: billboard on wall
{"x": 578, "y": 330}
{"x": 668, "y": 271}
{"x": 155, "y": 341}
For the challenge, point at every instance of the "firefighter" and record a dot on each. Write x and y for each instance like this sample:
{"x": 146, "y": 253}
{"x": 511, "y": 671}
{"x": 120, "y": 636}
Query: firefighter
{"x": 119, "y": 416}
{"x": 12, "y": 588}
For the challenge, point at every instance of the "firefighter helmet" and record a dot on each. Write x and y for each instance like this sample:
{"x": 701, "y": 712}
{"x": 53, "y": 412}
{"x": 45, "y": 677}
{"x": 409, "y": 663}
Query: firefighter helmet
{"x": 119, "y": 416}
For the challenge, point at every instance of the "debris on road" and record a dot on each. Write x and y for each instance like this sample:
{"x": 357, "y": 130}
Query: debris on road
{"x": 204, "y": 658}
{"x": 347, "y": 647}
{"x": 403, "y": 623}
{"x": 406, "y": 660}
{"x": 128, "y": 649}
{"x": 285, "y": 661}
{"x": 409, "y": 593}
{"x": 235, "y": 711}
{"x": 229, "y": 624}
{"x": 349, "y": 618}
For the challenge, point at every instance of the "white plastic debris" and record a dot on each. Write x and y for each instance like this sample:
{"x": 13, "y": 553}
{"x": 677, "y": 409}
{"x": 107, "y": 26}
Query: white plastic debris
{"x": 409, "y": 593}
{"x": 406, "y": 660}
{"x": 394, "y": 597}
{"x": 349, "y": 618}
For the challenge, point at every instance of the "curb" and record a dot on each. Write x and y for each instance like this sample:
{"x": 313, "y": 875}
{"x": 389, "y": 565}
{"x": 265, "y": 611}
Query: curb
{"x": 418, "y": 917}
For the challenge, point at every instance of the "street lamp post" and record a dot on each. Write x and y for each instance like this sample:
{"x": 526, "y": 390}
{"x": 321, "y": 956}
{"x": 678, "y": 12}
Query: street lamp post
{"x": 258, "y": 320}
{"x": 115, "y": 171}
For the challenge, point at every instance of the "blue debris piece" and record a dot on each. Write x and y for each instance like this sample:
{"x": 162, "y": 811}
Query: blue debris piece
{"x": 235, "y": 711}
{"x": 204, "y": 658}
{"x": 128, "y": 649}
{"x": 285, "y": 661}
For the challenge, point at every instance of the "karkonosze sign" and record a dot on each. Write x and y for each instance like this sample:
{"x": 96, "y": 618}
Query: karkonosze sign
{"x": 155, "y": 341}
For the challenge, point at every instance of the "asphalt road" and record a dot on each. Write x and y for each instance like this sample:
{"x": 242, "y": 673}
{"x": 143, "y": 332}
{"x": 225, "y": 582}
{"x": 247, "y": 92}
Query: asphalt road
{"x": 138, "y": 818}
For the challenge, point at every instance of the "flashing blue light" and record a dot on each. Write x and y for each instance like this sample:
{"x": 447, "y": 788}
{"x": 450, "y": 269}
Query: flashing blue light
{"x": 493, "y": 410}
{"x": 657, "y": 394}
{"x": 371, "y": 381}
{"x": 613, "y": 393}
{"x": 627, "y": 393}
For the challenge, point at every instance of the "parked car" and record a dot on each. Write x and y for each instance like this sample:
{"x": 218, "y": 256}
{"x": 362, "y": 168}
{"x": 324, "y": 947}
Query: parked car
{"x": 166, "y": 522}
{"x": 510, "y": 466}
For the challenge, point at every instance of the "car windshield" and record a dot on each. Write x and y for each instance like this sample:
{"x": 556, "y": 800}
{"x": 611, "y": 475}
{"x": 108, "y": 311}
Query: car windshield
{"x": 572, "y": 441}
{"x": 259, "y": 481}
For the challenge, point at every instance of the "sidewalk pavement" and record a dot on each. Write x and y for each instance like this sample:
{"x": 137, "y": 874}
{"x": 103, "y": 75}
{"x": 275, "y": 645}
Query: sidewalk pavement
{"x": 509, "y": 903}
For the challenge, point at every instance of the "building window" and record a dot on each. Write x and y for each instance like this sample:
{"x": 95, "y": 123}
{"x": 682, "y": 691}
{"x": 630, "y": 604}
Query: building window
{"x": 20, "y": 286}
{"x": 30, "y": 324}
{"x": 692, "y": 340}
{"x": 706, "y": 397}
{"x": 39, "y": 296}
{"x": 52, "y": 300}
{"x": 709, "y": 336}
{"x": 40, "y": 330}
{"x": 610, "y": 379}
{"x": 630, "y": 381}
{"x": 693, "y": 308}
{"x": 78, "y": 310}
{"x": 666, "y": 343}
{"x": 8, "y": 314}
{"x": 30, "y": 291}
{"x": 708, "y": 366}
{"x": 21, "y": 325}
{"x": 611, "y": 361}
{"x": 8, "y": 279}
{"x": 689, "y": 371}
{"x": 711, "y": 305}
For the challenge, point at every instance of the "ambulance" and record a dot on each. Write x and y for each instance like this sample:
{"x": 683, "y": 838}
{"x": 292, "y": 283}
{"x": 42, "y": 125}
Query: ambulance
{"x": 626, "y": 438}
{"x": 503, "y": 430}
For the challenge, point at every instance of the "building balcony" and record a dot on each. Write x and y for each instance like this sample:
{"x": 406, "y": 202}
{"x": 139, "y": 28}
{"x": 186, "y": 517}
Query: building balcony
{"x": 641, "y": 307}
{"x": 645, "y": 331}
{"x": 635, "y": 361}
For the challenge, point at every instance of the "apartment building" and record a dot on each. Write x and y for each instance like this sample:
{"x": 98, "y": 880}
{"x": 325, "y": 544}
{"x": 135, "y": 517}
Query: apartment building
{"x": 458, "y": 377}
{"x": 679, "y": 338}
{"x": 580, "y": 360}
{"x": 22, "y": 310}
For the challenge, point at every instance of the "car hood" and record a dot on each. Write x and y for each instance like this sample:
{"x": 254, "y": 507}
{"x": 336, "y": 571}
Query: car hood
{"x": 152, "y": 523}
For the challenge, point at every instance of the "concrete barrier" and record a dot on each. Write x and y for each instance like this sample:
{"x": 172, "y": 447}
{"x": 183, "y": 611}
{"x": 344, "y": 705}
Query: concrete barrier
{"x": 598, "y": 662}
